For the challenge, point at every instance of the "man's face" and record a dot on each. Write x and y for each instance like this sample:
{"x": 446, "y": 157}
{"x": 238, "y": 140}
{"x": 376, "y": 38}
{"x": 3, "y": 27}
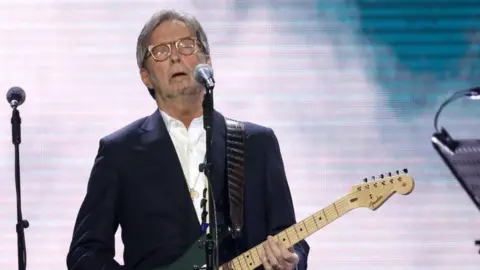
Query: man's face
{"x": 172, "y": 76}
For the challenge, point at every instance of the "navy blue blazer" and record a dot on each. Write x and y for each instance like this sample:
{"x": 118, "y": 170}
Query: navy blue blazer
{"x": 137, "y": 182}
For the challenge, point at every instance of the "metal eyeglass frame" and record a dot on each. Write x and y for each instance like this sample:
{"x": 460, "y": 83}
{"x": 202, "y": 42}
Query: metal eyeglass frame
{"x": 169, "y": 45}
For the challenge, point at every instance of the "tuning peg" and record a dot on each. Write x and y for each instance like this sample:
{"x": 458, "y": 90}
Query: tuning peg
{"x": 373, "y": 178}
{"x": 389, "y": 174}
{"x": 405, "y": 170}
{"x": 398, "y": 172}
{"x": 381, "y": 176}
{"x": 365, "y": 180}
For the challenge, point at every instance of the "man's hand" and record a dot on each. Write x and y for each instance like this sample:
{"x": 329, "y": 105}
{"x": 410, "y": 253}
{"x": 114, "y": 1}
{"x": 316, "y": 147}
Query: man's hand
{"x": 277, "y": 256}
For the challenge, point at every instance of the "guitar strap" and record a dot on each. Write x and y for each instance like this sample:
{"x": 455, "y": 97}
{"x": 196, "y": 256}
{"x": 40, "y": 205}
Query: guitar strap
{"x": 235, "y": 173}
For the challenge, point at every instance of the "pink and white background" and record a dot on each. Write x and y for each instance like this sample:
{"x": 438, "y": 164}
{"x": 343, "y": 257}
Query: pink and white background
{"x": 350, "y": 87}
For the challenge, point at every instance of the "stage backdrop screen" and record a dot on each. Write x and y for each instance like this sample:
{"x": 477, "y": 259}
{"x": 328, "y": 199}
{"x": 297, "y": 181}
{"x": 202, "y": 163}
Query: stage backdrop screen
{"x": 349, "y": 87}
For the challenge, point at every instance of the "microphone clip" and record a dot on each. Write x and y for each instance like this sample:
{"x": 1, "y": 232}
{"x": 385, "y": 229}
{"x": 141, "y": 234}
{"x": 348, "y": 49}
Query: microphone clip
{"x": 445, "y": 141}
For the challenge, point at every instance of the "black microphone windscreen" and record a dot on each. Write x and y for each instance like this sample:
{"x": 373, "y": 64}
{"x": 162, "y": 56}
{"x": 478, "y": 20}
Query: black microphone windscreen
{"x": 16, "y": 93}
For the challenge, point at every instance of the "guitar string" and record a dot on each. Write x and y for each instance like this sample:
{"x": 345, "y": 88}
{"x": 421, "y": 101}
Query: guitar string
{"x": 328, "y": 211}
{"x": 309, "y": 221}
{"x": 342, "y": 203}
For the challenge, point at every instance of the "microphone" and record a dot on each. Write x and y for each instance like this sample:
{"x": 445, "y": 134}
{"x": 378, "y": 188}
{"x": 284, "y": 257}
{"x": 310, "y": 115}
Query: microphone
{"x": 441, "y": 137}
{"x": 204, "y": 75}
{"x": 16, "y": 96}
{"x": 473, "y": 93}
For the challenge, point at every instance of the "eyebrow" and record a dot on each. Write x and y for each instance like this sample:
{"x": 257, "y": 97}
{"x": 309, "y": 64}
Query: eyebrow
{"x": 167, "y": 42}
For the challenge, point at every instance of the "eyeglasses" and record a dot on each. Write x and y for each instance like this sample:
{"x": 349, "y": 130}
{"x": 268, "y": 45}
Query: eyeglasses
{"x": 161, "y": 52}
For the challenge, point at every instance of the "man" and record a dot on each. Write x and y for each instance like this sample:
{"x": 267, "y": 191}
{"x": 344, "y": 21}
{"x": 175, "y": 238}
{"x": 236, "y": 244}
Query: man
{"x": 146, "y": 179}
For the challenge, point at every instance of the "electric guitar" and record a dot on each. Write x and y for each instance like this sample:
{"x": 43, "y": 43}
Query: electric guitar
{"x": 369, "y": 194}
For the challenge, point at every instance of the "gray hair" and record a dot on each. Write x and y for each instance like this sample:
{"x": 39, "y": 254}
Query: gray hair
{"x": 163, "y": 16}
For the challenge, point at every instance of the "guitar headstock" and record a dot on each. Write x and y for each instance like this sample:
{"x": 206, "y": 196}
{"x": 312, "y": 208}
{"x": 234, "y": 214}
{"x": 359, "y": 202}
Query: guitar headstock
{"x": 374, "y": 193}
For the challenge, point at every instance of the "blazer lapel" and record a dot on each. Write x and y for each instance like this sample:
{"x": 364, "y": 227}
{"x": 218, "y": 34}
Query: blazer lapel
{"x": 159, "y": 146}
{"x": 161, "y": 152}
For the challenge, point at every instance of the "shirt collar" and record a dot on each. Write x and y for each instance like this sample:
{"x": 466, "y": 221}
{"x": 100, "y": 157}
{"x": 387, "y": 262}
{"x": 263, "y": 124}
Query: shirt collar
{"x": 171, "y": 122}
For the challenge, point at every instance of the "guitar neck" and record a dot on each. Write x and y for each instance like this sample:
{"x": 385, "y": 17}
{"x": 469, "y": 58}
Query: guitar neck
{"x": 292, "y": 235}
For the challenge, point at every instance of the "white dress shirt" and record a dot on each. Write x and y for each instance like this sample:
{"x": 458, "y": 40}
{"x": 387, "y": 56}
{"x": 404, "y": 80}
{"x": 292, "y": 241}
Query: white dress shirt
{"x": 190, "y": 145}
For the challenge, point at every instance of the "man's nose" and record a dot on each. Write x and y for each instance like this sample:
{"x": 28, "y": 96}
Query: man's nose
{"x": 174, "y": 55}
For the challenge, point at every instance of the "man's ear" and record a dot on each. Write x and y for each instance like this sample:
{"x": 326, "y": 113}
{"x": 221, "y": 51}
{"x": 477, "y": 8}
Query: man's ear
{"x": 204, "y": 59}
{"x": 208, "y": 60}
{"x": 146, "y": 78}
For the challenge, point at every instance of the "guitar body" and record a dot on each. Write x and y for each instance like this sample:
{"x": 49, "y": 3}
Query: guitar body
{"x": 193, "y": 257}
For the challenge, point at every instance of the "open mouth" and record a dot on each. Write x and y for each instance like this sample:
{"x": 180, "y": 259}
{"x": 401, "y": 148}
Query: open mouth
{"x": 179, "y": 74}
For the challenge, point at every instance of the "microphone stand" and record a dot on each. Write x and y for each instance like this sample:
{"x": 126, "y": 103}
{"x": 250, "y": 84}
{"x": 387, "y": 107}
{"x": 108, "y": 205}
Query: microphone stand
{"x": 442, "y": 140}
{"x": 211, "y": 243}
{"x": 21, "y": 223}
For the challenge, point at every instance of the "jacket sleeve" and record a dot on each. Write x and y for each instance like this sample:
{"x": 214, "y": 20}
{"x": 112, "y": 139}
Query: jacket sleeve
{"x": 93, "y": 242}
{"x": 280, "y": 210}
